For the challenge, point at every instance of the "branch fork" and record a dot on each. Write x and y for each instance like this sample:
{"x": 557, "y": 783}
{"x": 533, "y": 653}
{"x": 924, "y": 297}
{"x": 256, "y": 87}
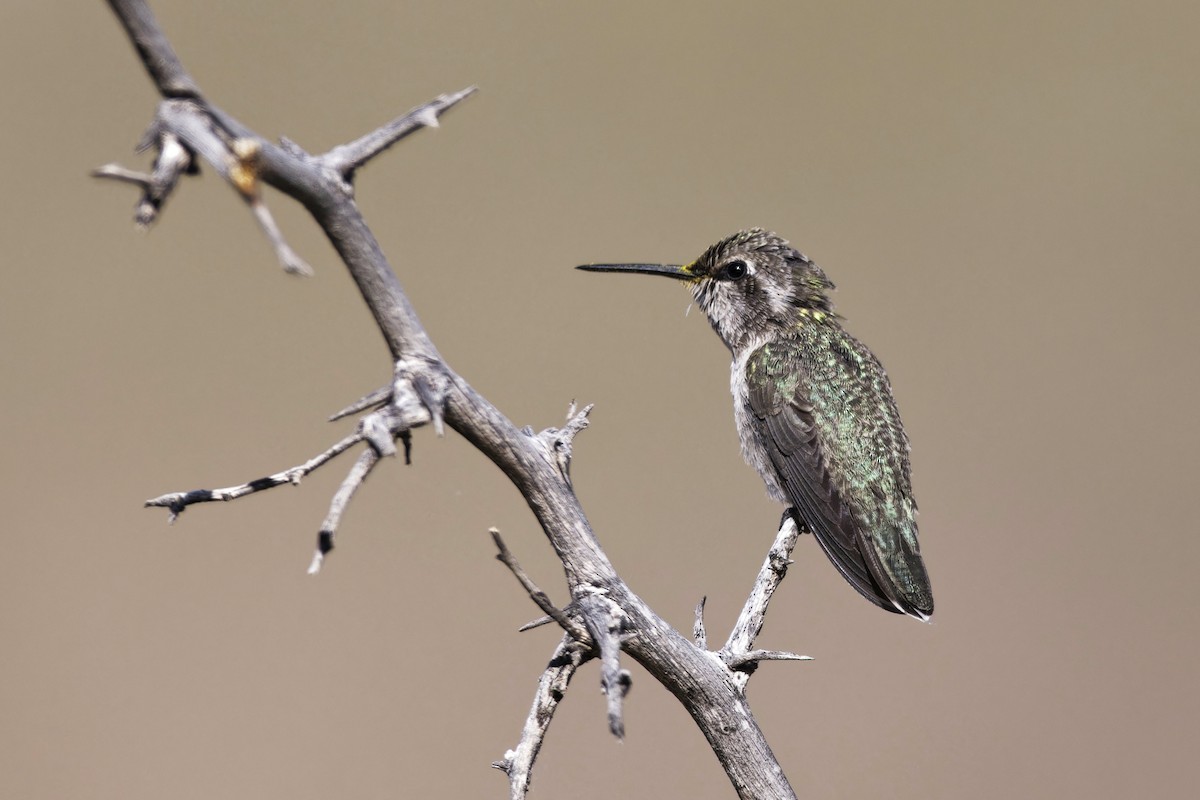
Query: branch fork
{"x": 415, "y": 397}
{"x": 738, "y": 653}
{"x": 595, "y": 625}
{"x": 187, "y": 127}
{"x": 173, "y": 160}
{"x": 558, "y": 443}
{"x": 606, "y": 617}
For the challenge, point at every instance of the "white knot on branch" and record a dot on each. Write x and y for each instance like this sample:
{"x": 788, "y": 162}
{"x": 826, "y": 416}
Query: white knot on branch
{"x": 172, "y": 161}
{"x": 416, "y": 397}
{"x": 182, "y": 129}
{"x": 558, "y": 443}
{"x": 185, "y": 127}
{"x": 606, "y": 622}
{"x": 423, "y": 383}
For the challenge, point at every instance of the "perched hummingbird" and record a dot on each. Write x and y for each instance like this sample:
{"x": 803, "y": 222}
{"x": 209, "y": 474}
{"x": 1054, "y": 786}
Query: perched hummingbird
{"x": 814, "y": 411}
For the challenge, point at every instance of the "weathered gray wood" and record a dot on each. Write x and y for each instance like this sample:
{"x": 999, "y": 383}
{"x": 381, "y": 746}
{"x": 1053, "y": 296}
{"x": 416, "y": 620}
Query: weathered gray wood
{"x": 709, "y": 685}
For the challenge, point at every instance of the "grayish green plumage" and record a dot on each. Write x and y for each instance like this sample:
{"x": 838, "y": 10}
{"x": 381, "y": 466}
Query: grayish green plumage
{"x": 814, "y": 411}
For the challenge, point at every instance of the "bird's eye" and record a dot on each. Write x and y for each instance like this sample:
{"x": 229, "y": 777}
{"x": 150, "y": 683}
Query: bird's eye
{"x": 734, "y": 270}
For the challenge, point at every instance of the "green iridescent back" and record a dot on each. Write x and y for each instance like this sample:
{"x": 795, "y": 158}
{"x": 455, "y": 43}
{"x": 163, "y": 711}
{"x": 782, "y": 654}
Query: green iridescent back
{"x": 824, "y": 413}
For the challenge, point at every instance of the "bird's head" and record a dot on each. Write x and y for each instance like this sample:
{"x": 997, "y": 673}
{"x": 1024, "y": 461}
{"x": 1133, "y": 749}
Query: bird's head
{"x": 749, "y": 285}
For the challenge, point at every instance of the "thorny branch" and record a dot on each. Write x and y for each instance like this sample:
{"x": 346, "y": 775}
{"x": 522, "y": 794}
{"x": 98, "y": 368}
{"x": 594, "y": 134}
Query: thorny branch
{"x": 575, "y": 630}
{"x": 187, "y": 129}
{"x": 737, "y": 652}
{"x": 552, "y": 686}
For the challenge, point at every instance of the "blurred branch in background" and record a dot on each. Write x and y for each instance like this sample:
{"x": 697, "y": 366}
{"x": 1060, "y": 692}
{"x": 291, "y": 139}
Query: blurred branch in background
{"x": 604, "y": 618}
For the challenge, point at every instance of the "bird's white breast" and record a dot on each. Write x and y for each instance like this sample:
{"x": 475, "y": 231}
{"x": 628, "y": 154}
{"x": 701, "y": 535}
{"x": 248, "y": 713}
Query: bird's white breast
{"x": 752, "y": 447}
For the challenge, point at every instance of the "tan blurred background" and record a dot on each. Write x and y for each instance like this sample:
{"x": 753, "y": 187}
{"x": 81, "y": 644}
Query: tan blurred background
{"x": 1005, "y": 193}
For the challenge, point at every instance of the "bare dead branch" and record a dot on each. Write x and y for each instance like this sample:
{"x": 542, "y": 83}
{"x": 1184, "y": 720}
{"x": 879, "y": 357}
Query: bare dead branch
{"x": 559, "y": 442}
{"x": 746, "y": 662}
{"x": 155, "y": 50}
{"x": 546, "y": 619}
{"x": 552, "y": 687}
{"x": 345, "y": 159}
{"x": 425, "y": 387}
{"x": 183, "y": 127}
{"x": 698, "y": 634}
{"x": 176, "y": 502}
{"x": 372, "y": 400}
{"x": 576, "y": 631}
{"x": 172, "y": 162}
{"x": 605, "y": 621}
{"x": 379, "y": 429}
{"x": 341, "y": 498}
{"x": 750, "y": 621}
{"x": 118, "y": 173}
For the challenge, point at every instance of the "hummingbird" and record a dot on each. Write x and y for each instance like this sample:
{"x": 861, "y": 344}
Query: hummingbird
{"x": 814, "y": 411}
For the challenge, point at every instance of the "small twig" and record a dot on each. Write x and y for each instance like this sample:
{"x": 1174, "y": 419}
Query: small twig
{"x": 576, "y": 631}
{"x": 178, "y": 501}
{"x": 745, "y": 662}
{"x": 183, "y": 126}
{"x": 118, "y": 173}
{"x": 605, "y": 622}
{"x": 545, "y": 619}
{"x": 372, "y": 400}
{"x": 552, "y": 687}
{"x": 698, "y": 634}
{"x": 750, "y": 622}
{"x": 379, "y": 429}
{"x": 347, "y": 158}
{"x": 341, "y": 498}
{"x": 172, "y": 162}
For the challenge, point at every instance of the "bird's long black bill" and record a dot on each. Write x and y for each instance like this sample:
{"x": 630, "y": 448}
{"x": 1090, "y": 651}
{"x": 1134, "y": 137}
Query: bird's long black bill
{"x": 669, "y": 270}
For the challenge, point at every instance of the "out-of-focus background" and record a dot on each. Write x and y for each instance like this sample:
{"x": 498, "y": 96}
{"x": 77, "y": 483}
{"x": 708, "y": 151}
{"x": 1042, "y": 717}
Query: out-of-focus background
{"x": 1006, "y": 194}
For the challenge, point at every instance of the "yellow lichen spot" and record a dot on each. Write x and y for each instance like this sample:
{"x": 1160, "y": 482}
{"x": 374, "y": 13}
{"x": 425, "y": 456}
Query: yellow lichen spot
{"x": 243, "y": 173}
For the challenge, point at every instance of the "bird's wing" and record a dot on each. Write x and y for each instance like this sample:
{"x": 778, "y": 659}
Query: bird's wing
{"x": 831, "y": 430}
